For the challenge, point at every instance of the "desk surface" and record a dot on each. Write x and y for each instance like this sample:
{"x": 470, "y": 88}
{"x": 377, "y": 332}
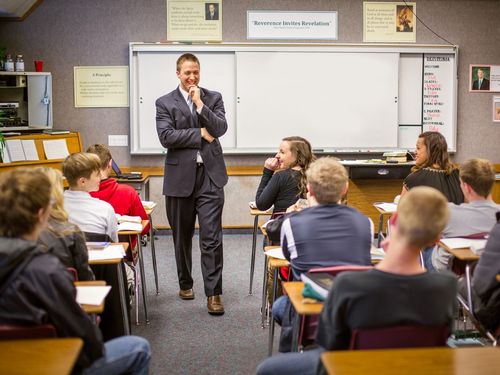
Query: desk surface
{"x": 40, "y": 356}
{"x": 436, "y": 361}
{"x": 257, "y": 212}
{"x": 463, "y": 254}
{"x": 112, "y": 261}
{"x": 294, "y": 291}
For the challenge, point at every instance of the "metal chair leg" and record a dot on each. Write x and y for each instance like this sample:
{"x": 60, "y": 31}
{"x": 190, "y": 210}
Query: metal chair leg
{"x": 254, "y": 245}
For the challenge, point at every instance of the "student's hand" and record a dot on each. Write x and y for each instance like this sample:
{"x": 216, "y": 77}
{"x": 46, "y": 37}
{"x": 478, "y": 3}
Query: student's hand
{"x": 272, "y": 164}
{"x": 206, "y": 135}
{"x": 194, "y": 93}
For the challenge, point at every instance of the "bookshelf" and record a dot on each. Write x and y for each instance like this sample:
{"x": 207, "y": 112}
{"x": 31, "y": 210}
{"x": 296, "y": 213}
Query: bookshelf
{"x": 73, "y": 142}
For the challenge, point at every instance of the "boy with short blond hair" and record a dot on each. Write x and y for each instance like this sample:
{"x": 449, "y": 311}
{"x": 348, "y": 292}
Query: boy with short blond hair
{"x": 83, "y": 173}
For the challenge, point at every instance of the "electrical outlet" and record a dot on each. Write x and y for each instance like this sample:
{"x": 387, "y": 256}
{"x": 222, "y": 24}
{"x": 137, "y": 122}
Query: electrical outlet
{"x": 118, "y": 140}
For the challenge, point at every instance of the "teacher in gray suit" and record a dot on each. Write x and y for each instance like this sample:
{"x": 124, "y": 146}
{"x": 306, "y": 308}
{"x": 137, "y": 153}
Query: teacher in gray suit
{"x": 189, "y": 121}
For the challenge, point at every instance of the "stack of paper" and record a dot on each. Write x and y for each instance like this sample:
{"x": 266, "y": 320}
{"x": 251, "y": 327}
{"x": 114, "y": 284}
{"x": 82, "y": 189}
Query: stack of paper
{"x": 377, "y": 253}
{"x": 91, "y": 295}
{"x": 387, "y": 207}
{"x": 128, "y": 219}
{"x": 19, "y": 150}
{"x": 275, "y": 253}
{"x": 109, "y": 252}
{"x": 128, "y": 226}
{"x": 56, "y": 149}
{"x": 149, "y": 205}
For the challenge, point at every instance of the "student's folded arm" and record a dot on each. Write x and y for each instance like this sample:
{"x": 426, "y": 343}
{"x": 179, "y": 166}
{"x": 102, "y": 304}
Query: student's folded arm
{"x": 169, "y": 136}
{"x": 67, "y": 316}
{"x": 267, "y": 191}
{"x": 81, "y": 257}
{"x": 214, "y": 120}
{"x": 333, "y": 332}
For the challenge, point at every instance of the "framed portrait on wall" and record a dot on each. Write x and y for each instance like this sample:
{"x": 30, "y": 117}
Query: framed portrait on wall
{"x": 496, "y": 109}
{"x": 484, "y": 78}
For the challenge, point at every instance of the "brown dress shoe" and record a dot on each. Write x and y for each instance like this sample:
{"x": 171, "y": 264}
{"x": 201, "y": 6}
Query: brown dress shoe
{"x": 186, "y": 294}
{"x": 214, "y": 304}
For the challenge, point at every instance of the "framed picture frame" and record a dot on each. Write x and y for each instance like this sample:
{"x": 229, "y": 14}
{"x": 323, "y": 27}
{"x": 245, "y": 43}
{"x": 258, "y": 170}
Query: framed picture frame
{"x": 496, "y": 109}
{"x": 484, "y": 78}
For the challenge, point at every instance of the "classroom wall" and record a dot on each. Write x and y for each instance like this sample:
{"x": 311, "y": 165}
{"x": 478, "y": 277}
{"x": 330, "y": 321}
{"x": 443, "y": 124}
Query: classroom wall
{"x": 96, "y": 32}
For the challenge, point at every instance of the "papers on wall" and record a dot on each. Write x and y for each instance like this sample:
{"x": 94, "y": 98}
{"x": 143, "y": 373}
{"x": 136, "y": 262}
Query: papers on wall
{"x": 55, "y": 149}
{"x": 463, "y": 243}
{"x": 275, "y": 253}
{"x": 15, "y": 149}
{"x": 387, "y": 207}
{"x": 29, "y": 148}
{"x": 109, "y": 252}
{"x": 91, "y": 295}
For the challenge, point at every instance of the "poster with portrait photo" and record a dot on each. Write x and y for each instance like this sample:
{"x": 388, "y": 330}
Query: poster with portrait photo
{"x": 404, "y": 18}
{"x": 484, "y": 78}
{"x": 496, "y": 109}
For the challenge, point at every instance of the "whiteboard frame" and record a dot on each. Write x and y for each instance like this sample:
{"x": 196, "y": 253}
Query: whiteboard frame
{"x": 137, "y": 47}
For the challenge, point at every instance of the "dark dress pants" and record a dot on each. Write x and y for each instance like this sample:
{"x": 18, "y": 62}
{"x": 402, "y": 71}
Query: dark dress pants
{"x": 206, "y": 201}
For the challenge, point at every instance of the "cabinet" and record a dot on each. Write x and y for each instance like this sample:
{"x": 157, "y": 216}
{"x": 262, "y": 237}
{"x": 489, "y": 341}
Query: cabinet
{"x": 25, "y": 100}
{"x": 73, "y": 142}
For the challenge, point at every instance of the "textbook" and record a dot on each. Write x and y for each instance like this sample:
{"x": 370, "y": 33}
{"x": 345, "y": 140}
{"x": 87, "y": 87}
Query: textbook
{"x": 320, "y": 282}
{"x": 55, "y": 131}
{"x": 128, "y": 219}
{"x": 129, "y": 226}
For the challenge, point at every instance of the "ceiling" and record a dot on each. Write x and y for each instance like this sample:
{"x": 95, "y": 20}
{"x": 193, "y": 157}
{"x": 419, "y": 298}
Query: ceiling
{"x": 17, "y": 10}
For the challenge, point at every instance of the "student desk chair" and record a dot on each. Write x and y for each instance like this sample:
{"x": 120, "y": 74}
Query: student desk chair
{"x": 142, "y": 276}
{"x": 118, "y": 262}
{"x": 255, "y": 213}
{"x": 39, "y": 356}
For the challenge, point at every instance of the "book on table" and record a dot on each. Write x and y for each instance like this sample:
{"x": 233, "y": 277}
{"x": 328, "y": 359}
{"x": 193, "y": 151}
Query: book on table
{"x": 319, "y": 282}
{"x": 128, "y": 219}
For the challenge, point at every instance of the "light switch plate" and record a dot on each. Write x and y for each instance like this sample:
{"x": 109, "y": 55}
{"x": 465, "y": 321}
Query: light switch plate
{"x": 118, "y": 140}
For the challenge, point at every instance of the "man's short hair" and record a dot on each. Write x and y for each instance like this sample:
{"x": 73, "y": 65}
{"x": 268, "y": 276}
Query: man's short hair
{"x": 422, "y": 215}
{"x": 479, "y": 174}
{"x": 327, "y": 179}
{"x": 23, "y": 192}
{"x": 186, "y": 57}
{"x": 81, "y": 164}
{"x": 103, "y": 152}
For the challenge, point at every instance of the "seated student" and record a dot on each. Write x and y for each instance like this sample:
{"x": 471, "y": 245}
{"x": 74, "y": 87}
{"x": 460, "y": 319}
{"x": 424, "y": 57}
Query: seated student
{"x": 122, "y": 197}
{"x": 325, "y": 234}
{"x": 283, "y": 181}
{"x": 62, "y": 238}
{"x": 398, "y": 291}
{"x": 477, "y": 177}
{"x": 35, "y": 288}
{"x": 485, "y": 287}
{"x": 83, "y": 173}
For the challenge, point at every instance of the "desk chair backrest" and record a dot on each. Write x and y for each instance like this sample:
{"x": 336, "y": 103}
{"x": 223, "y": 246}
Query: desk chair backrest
{"x": 309, "y": 323}
{"x": 403, "y": 336}
{"x": 16, "y": 332}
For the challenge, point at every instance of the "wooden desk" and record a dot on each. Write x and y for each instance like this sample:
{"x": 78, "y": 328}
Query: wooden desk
{"x": 39, "y": 356}
{"x": 142, "y": 277}
{"x": 255, "y": 213}
{"x": 294, "y": 291}
{"x": 118, "y": 262}
{"x": 418, "y": 361}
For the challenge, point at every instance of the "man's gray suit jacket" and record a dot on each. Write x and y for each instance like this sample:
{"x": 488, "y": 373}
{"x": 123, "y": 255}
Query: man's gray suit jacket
{"x": 179, "y": 133}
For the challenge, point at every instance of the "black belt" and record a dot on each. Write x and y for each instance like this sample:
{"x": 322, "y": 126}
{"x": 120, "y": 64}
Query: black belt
{"x": 198, "y": 165}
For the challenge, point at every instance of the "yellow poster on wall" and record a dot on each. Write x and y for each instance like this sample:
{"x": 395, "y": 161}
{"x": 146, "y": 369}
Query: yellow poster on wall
{"x": 389, "y": 22}
{"x": 194, "y": 20}
{"x": 101, "y": 86}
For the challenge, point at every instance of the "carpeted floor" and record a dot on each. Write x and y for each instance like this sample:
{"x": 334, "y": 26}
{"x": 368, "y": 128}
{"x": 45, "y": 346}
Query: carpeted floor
{"x": 184, "y": 338}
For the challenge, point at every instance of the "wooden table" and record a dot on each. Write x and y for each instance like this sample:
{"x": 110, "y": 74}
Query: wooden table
{"x": 417, "y": 361}
{"x": 294, "y": 291}
{"x": 142, "y": 278}
{"x": 467, "y": 256}
{"x": 255, "y": 213}
{"x": 118, "y": 262}
{"x": 39, "y": 356}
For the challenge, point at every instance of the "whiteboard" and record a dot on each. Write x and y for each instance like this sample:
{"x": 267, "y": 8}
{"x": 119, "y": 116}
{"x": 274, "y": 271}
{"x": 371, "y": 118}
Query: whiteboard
{"x": 343, "y": 98}
{"x": 331, "y": 99}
